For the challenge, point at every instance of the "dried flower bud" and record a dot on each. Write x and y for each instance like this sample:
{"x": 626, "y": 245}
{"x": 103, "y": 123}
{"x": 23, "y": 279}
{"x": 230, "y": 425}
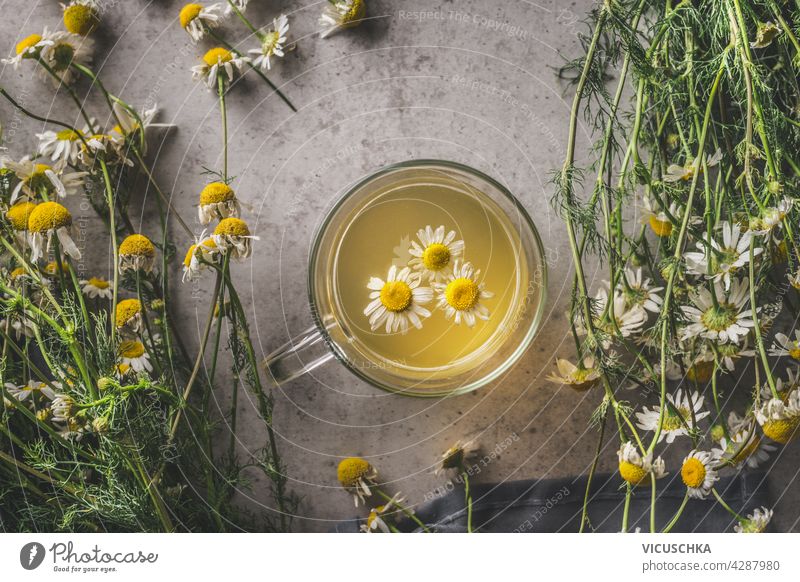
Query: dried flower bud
{"x": 105, "y": 383}
{"x": 100, "y": 425}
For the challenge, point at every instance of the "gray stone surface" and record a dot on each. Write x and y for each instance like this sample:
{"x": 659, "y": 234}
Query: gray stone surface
{"x": 473, "y": 82}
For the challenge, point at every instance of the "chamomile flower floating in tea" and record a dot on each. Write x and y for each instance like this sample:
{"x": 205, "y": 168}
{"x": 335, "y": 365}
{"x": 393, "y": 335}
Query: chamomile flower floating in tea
{"x": 342, "y": 14}
{"x": 95, "y": 287}
{"x": 28, "y": 48}
{"x": 723, "y": 318}
{"x": 272, "y": 43}
{"x": 196, "y": 18}
{"x": 582, "y": 377}
{"x": 64, "y": 51}
{"x": 232, "y": 235}
{"x": 129, "y": 317}
{"x": 756, "y": 522}
{"x": 136, "y": 253}
{"x": 199, "y": 255}
{"x": 29, "y": 389}
{"x": 397, "y": 301}
{"x": 218, "y": 61}
{"x": 461, "y": 295}
{"x": 217, "y": 201}
{"x": 680, "y": 416}
{"x": 785, "y": 346}
{"x": 356, "y": 475}
{"x": 659, "y": 221}
{"x": 698, "y": 474}
{"x": 132, "y": 353}
{"x": 719, "y": 261}
{"x": 634, "y": 468}
{"x": 81, "y": 16}
{"x": 780, "y": 417}
{"x": 435, "y": 253}
{"x": 61, "y": 146}
{"x": 45, "y": 221}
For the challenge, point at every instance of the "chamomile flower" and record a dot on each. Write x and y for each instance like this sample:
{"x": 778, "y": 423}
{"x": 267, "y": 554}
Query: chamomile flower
{"x": 340, "y": 15}
{"x": 196, "y": 18}
{"x": 35, "y": 178}
{"x": 218, "y": 61}
{"x": 458, "y": 457}
{"x": 233, "y": 235}
{"x": 756, "y": 522}
{"x": 676, "y": 173}
{"x": 46, "y": 220}
{"x": 233, "y": 5}
{"x": 659, "y": 221}
{"x": 81, "y": 16}
{"x": 727, "y": 321}
{"x": 582, "y": 377}
{"x": 356, "y": 475}
{"x": 397, "y": 302}
{"x": 786, "y": 346}
{"x": 132, "y": 353}
{"x": 66, "y": 50}
{"x": 33, "y": 387}
{"x": 772, "y": 217}
{"x": 780, "y": 417}
{"x": 63, "y": 407}
{"x": 765, "y": 34}
{"x": 136, "y": 253}
{"x": 680, "y": 416}
{"x": 129, "y": 317}
{"x": 698, "y": 474}
{"x": 28, "y": 48}
{"x": 730, "y": 353}
{"x": 217, "y": 201}
{"x": 95, "y": 287}
{"x": 640, "y": 291}
{"x": 634, "y": 468}
{"x": 17, "y": 216}
{"x": 628, "y": 319}
{"x": 375, "y": 520}
{"x": 128, "y": 122}
{"x": 61, "y": 146}
{"x": 273, "y": 42}
{"x": 435, "y": 253}
{"x": 719, "y": 261}
{"x": 203, "y": 251}
{"x": 461, "y": 295}
{"x": 743, "y": 447}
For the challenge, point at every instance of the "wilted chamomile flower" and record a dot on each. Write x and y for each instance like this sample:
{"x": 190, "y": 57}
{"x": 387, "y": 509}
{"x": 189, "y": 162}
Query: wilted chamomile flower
{"x": 29, "y": 389}
{"x": 676, "y": 173}
{"x": 65, "y": 50}
{"x": 681, "y": 415}
{"x": 771, "y": 218}
{"x": 28, "y": 48}
{"x": 356, "y": 475}
{"x": 129, "y": 316}
{"x": 756, "y": 522}
{"x": 234, "y": 5}
{"x": 61, "y": 146}
{"x": 217, "y": 61}
{"x": 95, "y": 287}
{"x": 35, "y": 179}
{"x": 744, "y": 447}
{"x": 63, "y": 407}
{"x": 217, "y": 201}
{"x": 375, "y": 520}
{"x": 433, "y": 256}
{"x": 202, "y": 252}
{"x": 132, "y": 353}
{"x": 582, "y": 377}
{"x": 698, "y": 474}
{"x": 634, "y": 468}
{"x": 17, "y": 216}
{"x": 785, "y": 346}
{"x": 136, "y": 253}
{"x": 342, "y": 14}
{"x": 272, "y": 43}
{"x": 780, "y": 417}
{"x": 765, "y": 34}
{"x": 458, "y": 457}
{"x": 46, "y": 220}
{"x": 462, "y": 296}
{"x": 628, "y": 320}
{"x": 233, "y": 235}
{"x": 660, "y": 222}
{"x": 129, "y": 122}
{"x": 196, "y": 18}
{"x": 81, "y": 16}
{"x": 397, "y": 302}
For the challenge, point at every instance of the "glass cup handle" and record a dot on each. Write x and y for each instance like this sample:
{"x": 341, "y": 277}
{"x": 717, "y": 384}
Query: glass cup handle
{"x": 298, "y": 356}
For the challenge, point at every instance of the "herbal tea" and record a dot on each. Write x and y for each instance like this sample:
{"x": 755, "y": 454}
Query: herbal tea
{"x": 429, "y": 276}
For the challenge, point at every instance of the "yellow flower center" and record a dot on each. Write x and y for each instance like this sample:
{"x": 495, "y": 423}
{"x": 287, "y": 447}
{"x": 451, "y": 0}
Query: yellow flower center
{"x": 661, "y": 227}
{"x": 719, "y": 318}
{"x": 693, "y": 473}
{"x": 52, "y": 269}
{"x": 187, "y": 260}
{"x": 782, "y": 431}
{"x": 701, "y": 372}
{"x": 794, "y": 352}
{"x": 216, "y": 192}
{"x": 48, "y": 216}
{"x": 28, "y": 42}
{"x": 131, "y": 349}
{"x": 127, "y": 309}
{"x": 462, "y": 294}
{"x": 80, "y": 19}
{"x": 579, "y": 382}
{"x": 137, "y": 245}
{"x": 270, "y": 42}
{"x": 18, "y": 215}
{"x": 232, "y": 227}
{"x": 18, "y": 272}
{"x": 68, "y": 135}
{"x": 217, "y": 55}
{"x": 38, "y": 179}
{"x": 436, "y": 257}
{"x": 633, "y": 474}
{"x": 98, "y": 283}
{"x": 396, "y": 295}
{"x": 352, "y": 470}
{"x": 675, "y": 421}
{"x": 354, "y": 14}
{"x": 188, "y": 13}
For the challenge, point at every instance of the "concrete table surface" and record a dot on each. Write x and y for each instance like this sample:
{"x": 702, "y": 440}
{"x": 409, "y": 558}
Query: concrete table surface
{"x": 469, "y": 81}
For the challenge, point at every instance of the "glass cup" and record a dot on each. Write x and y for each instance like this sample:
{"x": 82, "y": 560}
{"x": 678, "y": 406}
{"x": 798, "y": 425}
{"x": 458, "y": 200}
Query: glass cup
{"x": 335, "y": 336}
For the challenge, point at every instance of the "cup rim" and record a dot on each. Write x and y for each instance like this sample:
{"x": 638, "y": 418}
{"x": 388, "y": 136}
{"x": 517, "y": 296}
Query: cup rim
{"x": 471, "y": 386}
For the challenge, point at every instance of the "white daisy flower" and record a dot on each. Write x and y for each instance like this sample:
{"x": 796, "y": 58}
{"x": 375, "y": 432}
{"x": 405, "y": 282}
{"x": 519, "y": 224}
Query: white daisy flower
{"x": 581, "y": 378}
{"x": 28, "y": 48}
{"x": 46, "y": 220}
{"x": 634, "y": 468}
{"x": 726, "y": 258}
{"x": 340, "y": 15}
{"x": 397, "y": 302}
{"x": 136, "y": 253}
{"x": 698, "y": 474}
{"x": 780, "y": 417}
{"x": 683, "y": 413}
{"x": 659, "y": 221}
{"x": 772, "y": 217}
{"x": 434, "y": 255}
{"x": 728, "y": 321}
{"x": 461, "y": 296}
{"x": 676, "y": 173}
{"x": 132, "y": 353}
{"x": 629, "y": 319}
{"x": 756, "y": 522}
{"x": 375, "y": 521}
{"x": 218, "y": 61}
{"x": 202, "y": 252}
{"x": 25, "y": 391}
{"x": 272, "y": 43}
{"x": 640, "y": 291}
{"x": 34, "y": 178}
{"x": 785, "y": 346}
{"x": 217, "y": 201}
{"x": 95, "y": 287}
{"x": 233, "y": 5}
{"x": 61, "y": 146}
{"x": 356, "y": 475}
{"x": 233, "y": 235}
{"x": 196, "y": 18}
{"x": 64, "y": 50}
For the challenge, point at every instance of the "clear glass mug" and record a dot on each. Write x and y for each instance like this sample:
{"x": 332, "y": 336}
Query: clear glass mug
{"x": 337, "y": 336}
